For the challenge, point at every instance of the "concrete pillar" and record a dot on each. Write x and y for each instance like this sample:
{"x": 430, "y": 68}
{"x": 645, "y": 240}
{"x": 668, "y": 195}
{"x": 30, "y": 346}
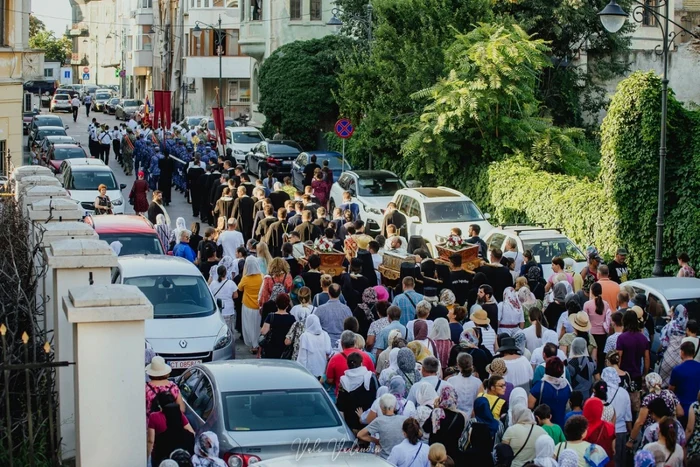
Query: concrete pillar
{"x": 73, "y": 263}
{"x": 110, "y": 415}
{"x": 55, "y": 210}
{"x": 40, "y": 193}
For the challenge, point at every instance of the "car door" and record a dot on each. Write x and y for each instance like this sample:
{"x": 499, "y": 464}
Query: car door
{"x": 198, "y": 394}
{"x": 298, "y": 169}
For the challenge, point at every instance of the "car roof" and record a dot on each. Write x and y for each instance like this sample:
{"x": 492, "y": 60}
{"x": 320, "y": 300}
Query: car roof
{"x": 434, "y": 193}
{"x": 154, "y": 265}
{"x": 259, "y": 374}
{"x": 528, "y": 231}
{"x": 672, "y": 288}
{"x": 67, "y": 146}
{"x": 52, "y": 127}
{"x": 324, "y": 153}
{"x": 46, "y": 117}
{"x": 61, "y": 94}
{"x": 372, "y": 173}
{"x": 120, "y": 224}
{"x": 242, "y": 128}
{"x": 84, "y": 162}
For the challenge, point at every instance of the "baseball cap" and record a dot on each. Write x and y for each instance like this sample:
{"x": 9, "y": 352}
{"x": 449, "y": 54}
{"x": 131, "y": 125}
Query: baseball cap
{"x": 622, "y": 251}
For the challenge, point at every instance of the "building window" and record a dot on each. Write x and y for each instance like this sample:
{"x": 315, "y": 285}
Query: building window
{"x": 295, "y": 9}
{"x": 649, "y": 19}
{"x": 207, "y": 45}
{"x": 256, "y": 11}
{"x": 129, "y": 42}
{"x": 238, "y": 91}
{"x": 315, "y": 10}
{"x": 3, "y": 23}
{"x": 4, "y": 154}
{"x": 145, "y": 3}
{"x": 48, "y": 72}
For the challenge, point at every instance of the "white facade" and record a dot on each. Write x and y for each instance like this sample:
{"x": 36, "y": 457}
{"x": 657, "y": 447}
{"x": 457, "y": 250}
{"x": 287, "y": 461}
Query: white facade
{"x": 267, "y": 25}
{"x": 202, "y": 66}
{"x": 135, "y": 21}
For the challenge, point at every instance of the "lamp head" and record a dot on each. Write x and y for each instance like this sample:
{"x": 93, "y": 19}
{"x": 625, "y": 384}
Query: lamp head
{"x": 613, "y": 17}
{"x": 197, "y": 31}
{"x": 334, "y": 21}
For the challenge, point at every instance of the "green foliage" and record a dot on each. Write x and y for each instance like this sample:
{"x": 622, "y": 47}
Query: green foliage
{"x": 630, "y": 157}
{"x": 408, "y": 54}
{"x": 568, "y": 92}
{"x": 55, "y": 50}
{"x": 297, "y": 83}
{"x": 35, "y": 25}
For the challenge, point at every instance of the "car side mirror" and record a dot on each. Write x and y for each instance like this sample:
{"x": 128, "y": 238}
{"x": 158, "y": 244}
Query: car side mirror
{"x": 352, "y": 192}
{"x": 122, "y": 186}
{"x": 487, "y": 216}
{"x": 66, "y": 127}
{"x": 220, "y": 303}
{"x": 414, "y": 220}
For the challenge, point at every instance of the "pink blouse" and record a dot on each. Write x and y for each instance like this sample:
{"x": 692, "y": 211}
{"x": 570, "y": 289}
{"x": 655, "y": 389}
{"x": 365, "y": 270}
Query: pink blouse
{"x": 600, "y": 324}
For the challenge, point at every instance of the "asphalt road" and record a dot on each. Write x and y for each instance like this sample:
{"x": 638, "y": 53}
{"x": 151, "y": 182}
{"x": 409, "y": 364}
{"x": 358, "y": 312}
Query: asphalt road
{"x": 178, "y": 206}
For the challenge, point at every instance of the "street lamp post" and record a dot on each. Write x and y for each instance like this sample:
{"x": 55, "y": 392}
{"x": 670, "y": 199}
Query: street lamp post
{"x": 335, "y": 21}
{"x": 122, "y": 71}
{"x": 197, "y": 32}
{"x": 613, "y": 18}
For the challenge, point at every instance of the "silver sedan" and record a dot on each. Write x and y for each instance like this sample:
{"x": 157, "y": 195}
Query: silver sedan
{"x": 262, "y": 409}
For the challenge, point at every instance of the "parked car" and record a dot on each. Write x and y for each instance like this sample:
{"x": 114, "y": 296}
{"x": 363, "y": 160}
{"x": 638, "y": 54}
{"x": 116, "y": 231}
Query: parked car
{"x": 27, "y": 120}
{"x": 40, "y": 121}
{"x": 135, "y": 233}
{"x": 59, "y": 152}
{"x": 66, "y": 90}
{"x": 432, "y": 212}
{"x": 241, "y": 140}
{"x": 40, "y": 87}
{"x": 60, "y": 102}
{"x": 261, "y": 409}
{"x": 101, "y": 98}
{"x": 545, "y": 244}
{"x": 48, "y": 142}
{"x": 335, "y": 163}
{"x": 81, "y": 177}
{"x": 127, "y": 108}
{"x": 275, "y": 155}
{"x": 192, "y": 122}
{"x": 665, "y": 293}
{"x": 372, "y": 190}
{"x": 111, "y": 105}
{"x": 39, "y": 135}
{"x": 187, "y": 328}
{"x": 328, "y": 457}
{"x": 77, "y": 87}
{"x": 91, "y": 89}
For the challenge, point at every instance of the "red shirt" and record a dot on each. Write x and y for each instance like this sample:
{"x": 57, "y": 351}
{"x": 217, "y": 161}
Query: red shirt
{"x": 339, "y": 363}
{"x": 156, "y": 421}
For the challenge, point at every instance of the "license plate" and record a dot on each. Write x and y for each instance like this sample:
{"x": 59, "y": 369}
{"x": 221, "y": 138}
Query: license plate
{"x": 182, "y": 364}
{"x": 287, "y": 163}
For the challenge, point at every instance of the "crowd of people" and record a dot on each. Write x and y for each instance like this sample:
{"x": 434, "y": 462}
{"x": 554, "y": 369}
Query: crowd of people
{"x": 498, "y": 364}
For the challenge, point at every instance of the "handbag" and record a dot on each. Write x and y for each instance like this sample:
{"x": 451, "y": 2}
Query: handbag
{"x": 263, "y": 341}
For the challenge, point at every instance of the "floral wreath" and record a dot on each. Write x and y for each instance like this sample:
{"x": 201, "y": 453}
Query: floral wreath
{"x": 324, "y": 245}
{"x": 455, "y": 242}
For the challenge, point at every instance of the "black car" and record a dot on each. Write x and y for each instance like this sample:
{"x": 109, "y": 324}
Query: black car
{"x": 275, "y": 155}
{"x": 111, "y": 105}
{"x": 70, "y": 91}
{"x": 45, "y": 131}
{"x": 39, "y": 121}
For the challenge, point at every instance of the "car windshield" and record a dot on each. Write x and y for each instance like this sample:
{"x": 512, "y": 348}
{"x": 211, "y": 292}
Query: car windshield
{"x": 114, "y": 101}
{"x": 545, "y": 249}
{"x": 135, "y": 244}
{"x": 175, "y": 296}
{"x": 246, "y": 137}
{"x": 50, "y": 121}
{"x": 56, "y": 132}
{"x": 284, "y": 149}
{"x": 131, "y": 103}
{"x": 61, "y": 154}
{"x": 194, "y": 121}
{"x": 452, "y": 211}
{"x": 91, "y": 179}
{"x": 102, "y": 96}
{"x": 227, "y": 123}
{"x": 300, "y": 409}
{"x": 380, "y": 186}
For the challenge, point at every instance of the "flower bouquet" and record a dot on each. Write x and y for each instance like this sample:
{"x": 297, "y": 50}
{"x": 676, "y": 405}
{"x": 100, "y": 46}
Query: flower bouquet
{"x": 455, "y": 242}
{"x": 324, "y": 245}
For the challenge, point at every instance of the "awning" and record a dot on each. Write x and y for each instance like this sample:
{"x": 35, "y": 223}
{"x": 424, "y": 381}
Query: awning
{"x": 112, "y": 65}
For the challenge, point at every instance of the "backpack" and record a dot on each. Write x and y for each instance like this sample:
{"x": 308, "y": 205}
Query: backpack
{"x": 278, "y": 289}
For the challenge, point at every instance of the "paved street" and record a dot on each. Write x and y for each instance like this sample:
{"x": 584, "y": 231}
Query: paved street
{"x": 178, "y": 207}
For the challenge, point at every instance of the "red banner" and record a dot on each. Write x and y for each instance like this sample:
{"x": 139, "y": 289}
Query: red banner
{"x": 167, "y": 109}
{"x": 157, "y": 108}
{"x": 218, "y": 114}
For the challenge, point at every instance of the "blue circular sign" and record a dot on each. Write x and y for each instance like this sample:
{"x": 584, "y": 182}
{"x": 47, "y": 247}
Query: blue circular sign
{"x": 344, "y": 128}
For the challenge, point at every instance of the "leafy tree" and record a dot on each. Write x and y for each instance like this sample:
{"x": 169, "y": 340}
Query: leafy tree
{"x": 35, "y": 25}
{"x": 407, "y": 55}
{"x": 297, "y": 83}
{"x": 571, "y": 27}
{"x": 55, "y": 50}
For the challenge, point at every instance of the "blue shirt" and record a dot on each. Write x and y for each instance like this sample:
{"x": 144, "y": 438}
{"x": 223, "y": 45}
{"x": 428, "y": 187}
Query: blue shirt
{"x": 571, "y": 414}
{"x": 407, "y": 305}
{"x": 685, "y": 378}
{"x": 183, "y": 250}
{"x": 556, "y": 399}
{"x": 382, "y": 341}
{"x": 332, "y": 315}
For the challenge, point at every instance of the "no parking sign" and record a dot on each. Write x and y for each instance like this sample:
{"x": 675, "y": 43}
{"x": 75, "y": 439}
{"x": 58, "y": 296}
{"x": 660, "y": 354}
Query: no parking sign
{"x": 344, "y": 128}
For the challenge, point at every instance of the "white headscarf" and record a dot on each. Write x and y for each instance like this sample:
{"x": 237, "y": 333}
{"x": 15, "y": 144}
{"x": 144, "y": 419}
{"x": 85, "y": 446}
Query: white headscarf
{"x": 314, "y": 339}
{"x": 252, "y": 266}
{"x": 353, "y": 378}
{"x": 206, "y": 451}
{"x": 425, "y": 399}
{"x": 521, "y": 414}
{"x": 518, "y": 398}
{"x": 440, "y": 330}
{"x": 544, "y": 452}
{"x": 180, "y": 226}
{"x": 116, "y": 247}
{"x": 579, "y": 348}
{"x": 386, "y": 374}
{"x": 612, "y": 379}
{"x": 230, "y": 266}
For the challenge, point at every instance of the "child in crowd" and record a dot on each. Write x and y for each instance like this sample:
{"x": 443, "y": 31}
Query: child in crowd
{"x": 576, "y": 403}
{"x": 543, "y": 415}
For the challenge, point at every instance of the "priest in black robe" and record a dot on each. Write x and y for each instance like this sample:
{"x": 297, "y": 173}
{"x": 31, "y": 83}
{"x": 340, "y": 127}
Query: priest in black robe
{"x": 243, "y": 213}
{"x": 276, "y": 233}
{"x": 306, "y": 230}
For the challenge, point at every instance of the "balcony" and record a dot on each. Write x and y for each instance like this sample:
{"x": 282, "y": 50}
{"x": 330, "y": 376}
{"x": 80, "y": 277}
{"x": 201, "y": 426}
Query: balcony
{"x": 143, "y": 59}
{"x": 252, "y": 39}
{"x": 78, "y": 30}
{"x": 144, "y": 16}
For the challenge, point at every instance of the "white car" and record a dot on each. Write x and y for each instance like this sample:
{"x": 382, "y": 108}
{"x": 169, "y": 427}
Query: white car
{"x": 82, "y": 177}
{"x": 432, "y": 212}
{"x": 669, "y": 292}
{"x": 372, "y": 190}
{"x": 242, "y": 140}
{"x": 60, "y": 102}
{"x": 545, "y": 244}
{"x": 187, "y": 327}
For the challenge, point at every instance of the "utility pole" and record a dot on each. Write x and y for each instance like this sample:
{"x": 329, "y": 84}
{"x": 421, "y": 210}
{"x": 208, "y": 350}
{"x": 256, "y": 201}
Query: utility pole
{"x": 221, "y": 71}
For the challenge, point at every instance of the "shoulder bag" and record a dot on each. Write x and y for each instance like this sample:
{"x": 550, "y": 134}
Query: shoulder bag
{"x": 532, "y": 427}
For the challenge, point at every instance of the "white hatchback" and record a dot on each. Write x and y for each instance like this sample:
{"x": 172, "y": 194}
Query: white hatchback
{"x": 82, "y": 177}
{"x": 187, "y": 327}
{"x": 242, "y": 140}
{"x": 432, "y": 212}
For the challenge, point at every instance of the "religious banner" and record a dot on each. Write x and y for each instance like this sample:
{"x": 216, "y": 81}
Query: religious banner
{"x": 218, "y": 114}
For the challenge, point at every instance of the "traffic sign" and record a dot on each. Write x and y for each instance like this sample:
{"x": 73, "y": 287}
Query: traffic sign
{"x": 344, "y": 128}
{"x": 86, "y": 70}
{"x": 86, "y": 76}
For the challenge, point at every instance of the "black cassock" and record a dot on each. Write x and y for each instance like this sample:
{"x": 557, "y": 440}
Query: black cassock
{"x": 224, "y": 207}
{"x": 398, "y": 220}
{"x": 165, "y": 181}
{"x": 263, "y": 225}
{"x": 243, "y": 212}
{"x": 193, "y": 174}
{"x": 278, "y": 198}
{"x": 307, "y": 231}
{"x": 274, "y": 237}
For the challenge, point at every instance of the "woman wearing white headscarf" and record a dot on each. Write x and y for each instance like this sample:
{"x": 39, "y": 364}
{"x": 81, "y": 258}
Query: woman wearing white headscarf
{"x": 619, "y": 399}
{"x": 518, "y": 397}
{"x": 522, "y": 435}
{"x": 388, "y": 373}
{"x": 231, "y": 269}
{"x": 442, "y": 339}
{"x": 314, "y": 347}
{"x": 544, "y": 452}
{"x": 425, "y": 401}
{"x": 383, "y": 358}
{"x": 206, "y": 451}
{"x": 180, "y": 226}
{"x": 163, "y": 231}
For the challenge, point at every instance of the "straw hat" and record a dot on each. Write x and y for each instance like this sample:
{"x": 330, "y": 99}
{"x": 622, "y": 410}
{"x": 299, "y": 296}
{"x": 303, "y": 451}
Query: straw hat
{"x": 497, "y": 367}
{"x": 580, "y": 321}
{"x": 158, "y": 367}
{"x": 480, "y": 317}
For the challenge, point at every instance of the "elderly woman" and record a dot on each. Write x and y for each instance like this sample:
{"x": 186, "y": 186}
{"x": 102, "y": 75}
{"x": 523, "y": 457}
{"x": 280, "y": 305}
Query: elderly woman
{"x": 447, "y": 423}
{"x": 420, "y": 335}
{"x": 553, "y": 390}
{"x": 393, "y": 369}
{"x": 158, "y": 372}
{"x": 394, "y": 340}
{"x": 388, "y": 428}
{"x": 522, "y": 436}
{"x": 442, "y": 340}
{"x": 183, "y": 249}
{"x": 558, "y": 304}
{"x": 103, "y": 205}
{"x": 139, "y": 194}
{"x": 581, "y": 367}
{"x": 163, "y": 231}
{"x": 206, "y": 451}
{"x": 644, "y": 420}
{"x": 406, "y": 362}
{"x": 671, "y": 338}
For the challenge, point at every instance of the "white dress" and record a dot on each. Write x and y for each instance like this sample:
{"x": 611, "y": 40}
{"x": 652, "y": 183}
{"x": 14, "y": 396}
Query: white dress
{"x": 224, "y": 291}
